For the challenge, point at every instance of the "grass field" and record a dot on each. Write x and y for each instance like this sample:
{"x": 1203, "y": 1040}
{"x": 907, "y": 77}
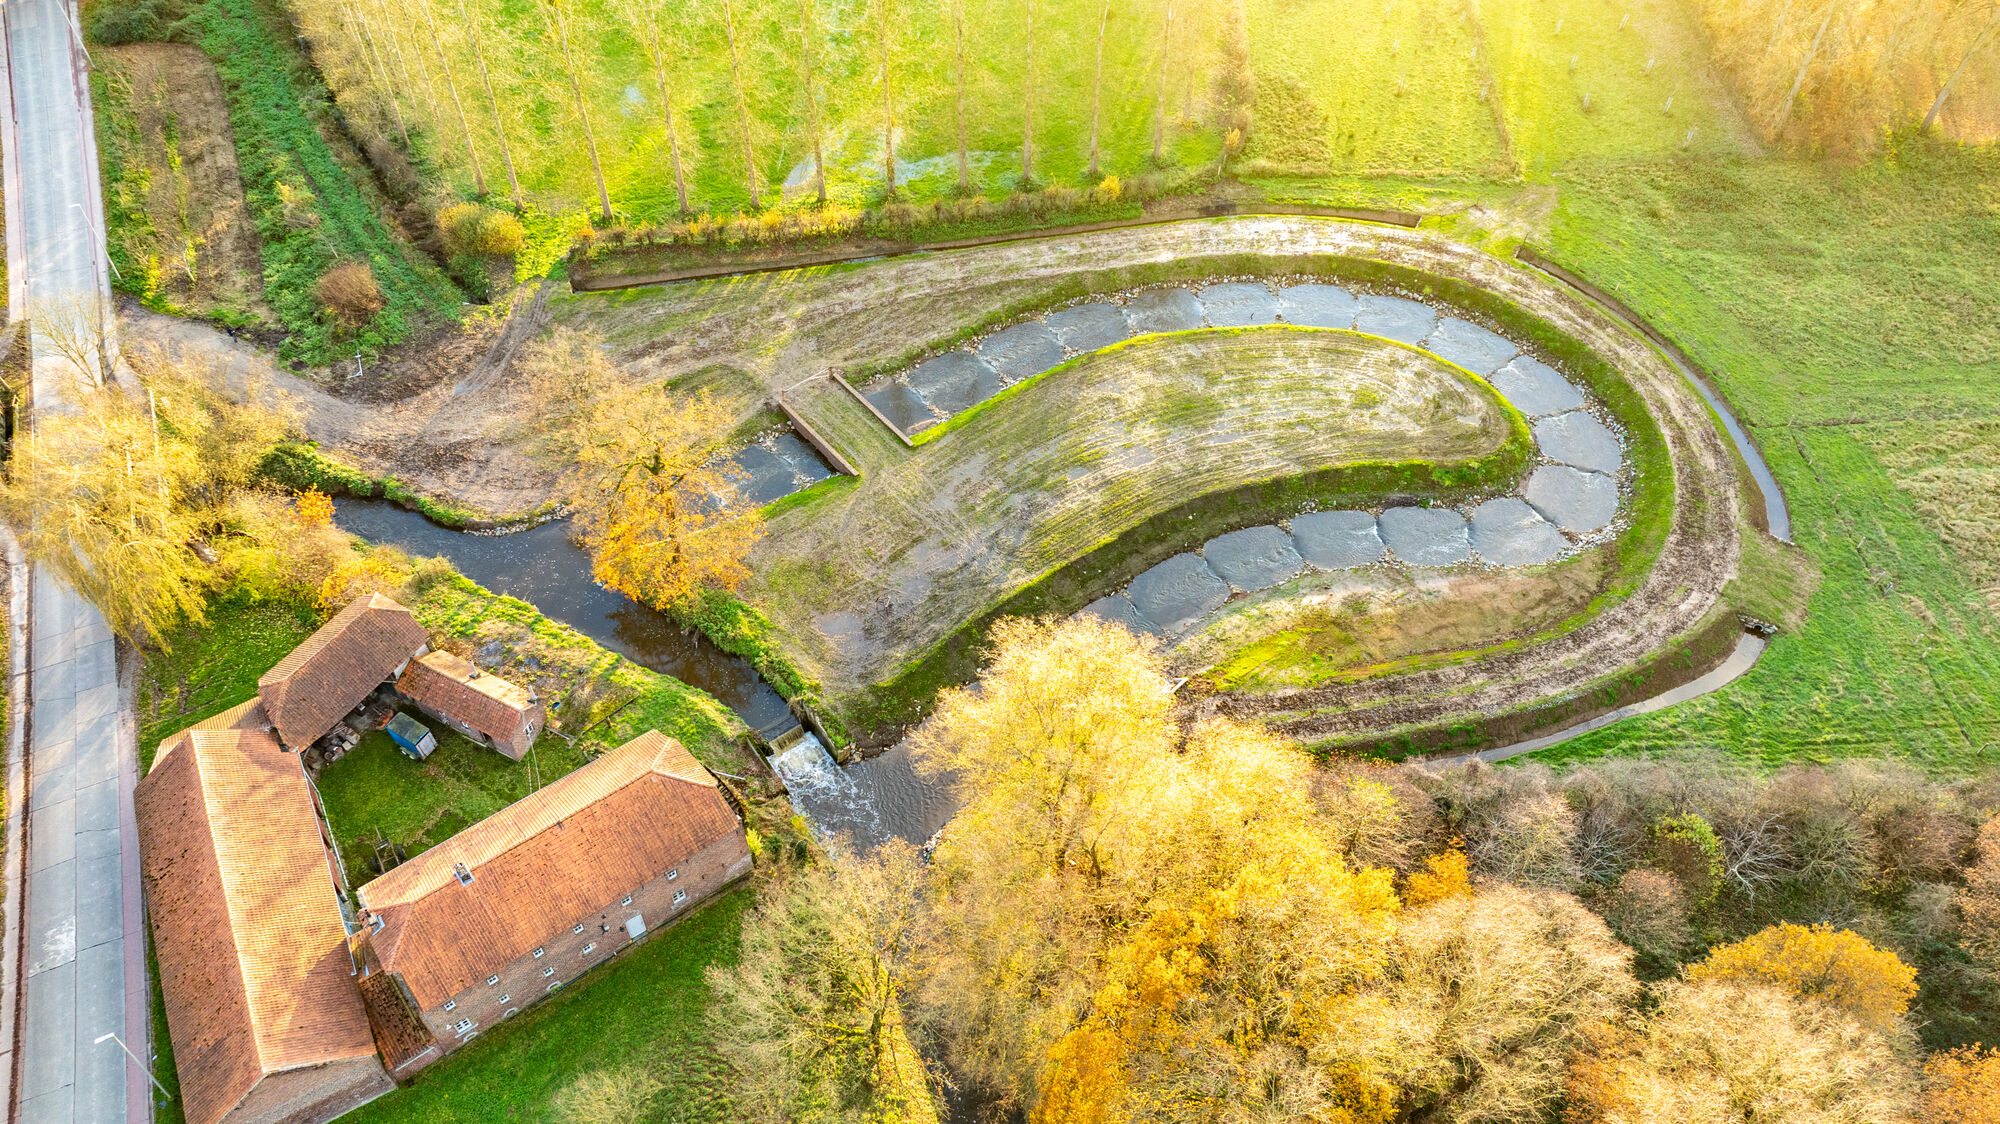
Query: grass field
{"x": 1847, "y": 314}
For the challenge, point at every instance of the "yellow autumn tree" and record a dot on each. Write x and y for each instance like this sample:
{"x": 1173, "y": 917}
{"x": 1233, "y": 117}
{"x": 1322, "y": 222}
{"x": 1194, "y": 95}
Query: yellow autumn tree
{"x": 1835, "y": 966}
{"x": 114, "y": 493}
{"x": 654, "y": 495}
{"x": 1962, "y": 1086}
{"x": 1124, "y": 897}
{"x": 1443, "y": 876}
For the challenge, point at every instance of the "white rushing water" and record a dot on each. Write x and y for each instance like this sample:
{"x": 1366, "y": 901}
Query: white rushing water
{"x": 824, "y": 793}
{"x": 869, "y": 802}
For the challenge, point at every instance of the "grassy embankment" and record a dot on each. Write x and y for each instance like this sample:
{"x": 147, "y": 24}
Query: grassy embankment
{"x": 1252, "y": 414}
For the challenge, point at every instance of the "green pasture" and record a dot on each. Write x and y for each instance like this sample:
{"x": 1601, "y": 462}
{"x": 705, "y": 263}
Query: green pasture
{"x": 1847, "y": 313}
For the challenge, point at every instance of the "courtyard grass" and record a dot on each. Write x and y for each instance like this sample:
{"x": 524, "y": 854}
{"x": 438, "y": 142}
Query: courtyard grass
{"x": 647, "y": 1010}
{"x": 209, "y": 669}
{"x": 419, "y": 804}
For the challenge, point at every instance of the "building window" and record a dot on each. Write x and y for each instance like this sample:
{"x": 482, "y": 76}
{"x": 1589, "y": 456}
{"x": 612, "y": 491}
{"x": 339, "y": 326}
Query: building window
{"x": 505, "y": 998}
{"x": 578, "y": 928}
{"x": 462, "y": 873}
{"x": 509, "y": 1012}
{"x": 556, "y": 986}
{"x": 451, "y": 1004}
{"x": 673, "y": 874}
{"x": 547, "y": 972}
{"x": 538, "y": 953}
{"x": 680, "y": 896}
{"x": 627, "y": 901}
{"x": 492, "y": 980}
{"x": 461, "y": 1026}
{"x": 590, "y": 948}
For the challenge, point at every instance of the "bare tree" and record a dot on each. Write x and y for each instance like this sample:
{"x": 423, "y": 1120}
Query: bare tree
{"x": 1160, "y": 97}
{"x": 806, "y": 31}
{"x": 74, "y": 326}
{"x": 559, "y": 17}
{"x": 1978, "y": 43}
{"x": 451, "y": 84}
{"x": 742, "y": 104}
{"x": 475, "y": 34}
{"x": 1097, "y": 81}
{"x": 649, "y": 23}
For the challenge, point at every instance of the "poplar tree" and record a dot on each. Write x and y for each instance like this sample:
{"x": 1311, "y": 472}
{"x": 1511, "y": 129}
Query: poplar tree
{"x": 806, "y": 32}
{"x": 1028, "y": 105}
{"x": 451, "y": 84}
{"x": 885, "y": 45}
{"x": 661, "y": 42}
{"x": 1160, "y": 96}
{"x": 1978, "y": 42}
{"x": 475, "y": 34}
{"x": 1097, "y": 81}
{"x": 955, "y": 13}
{"x": 562, "y": 30}
{"x": 742, "y": 103}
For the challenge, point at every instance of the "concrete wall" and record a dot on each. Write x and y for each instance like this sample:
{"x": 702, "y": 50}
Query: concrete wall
{"x": 312, "y": 1095}
{"x": 568, "y": 954}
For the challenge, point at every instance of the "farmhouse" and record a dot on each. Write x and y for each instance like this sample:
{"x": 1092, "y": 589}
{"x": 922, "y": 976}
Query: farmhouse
{"x": 262, "y": 1008}
{"x": 363, "y": 646}
{"x": 483, "y": 707}
{"x": 519, "y": 904}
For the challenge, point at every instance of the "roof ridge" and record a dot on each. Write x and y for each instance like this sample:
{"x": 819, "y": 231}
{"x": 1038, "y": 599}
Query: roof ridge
{"x": 428, "y": 872}
{"x": 197, "y": 759}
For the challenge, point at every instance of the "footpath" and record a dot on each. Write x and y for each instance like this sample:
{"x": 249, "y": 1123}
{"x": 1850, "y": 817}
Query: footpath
{"x": 75, "y": 965}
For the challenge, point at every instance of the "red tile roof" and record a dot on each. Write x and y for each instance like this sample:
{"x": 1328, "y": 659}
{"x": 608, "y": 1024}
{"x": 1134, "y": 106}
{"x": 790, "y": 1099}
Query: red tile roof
{"x": 450, "y": 685}
{"x": 254, "y": 965}
{"x": 541, "y": 864}
{"x": 243, "y": 716}
{"x": 336, "y": 667}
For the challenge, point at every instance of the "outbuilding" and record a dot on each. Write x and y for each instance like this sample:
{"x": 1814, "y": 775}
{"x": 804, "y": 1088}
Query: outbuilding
{"x": 478, "y": 704}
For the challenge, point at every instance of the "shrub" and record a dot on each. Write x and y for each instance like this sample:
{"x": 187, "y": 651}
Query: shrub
{"x": 1648, "y": 911}
{"x": 1444, "y": 876}
{"x": 1836, "y": 966}
{"x": 1685, "y": 846}
{"x": 473, "y": 230}
{"x": 349, "y": 294}
{"x": 312, "y": 508}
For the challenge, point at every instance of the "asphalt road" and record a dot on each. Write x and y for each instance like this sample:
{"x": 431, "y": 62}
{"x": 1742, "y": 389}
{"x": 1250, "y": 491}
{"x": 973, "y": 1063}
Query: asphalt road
{"x": 82, "y": 955}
